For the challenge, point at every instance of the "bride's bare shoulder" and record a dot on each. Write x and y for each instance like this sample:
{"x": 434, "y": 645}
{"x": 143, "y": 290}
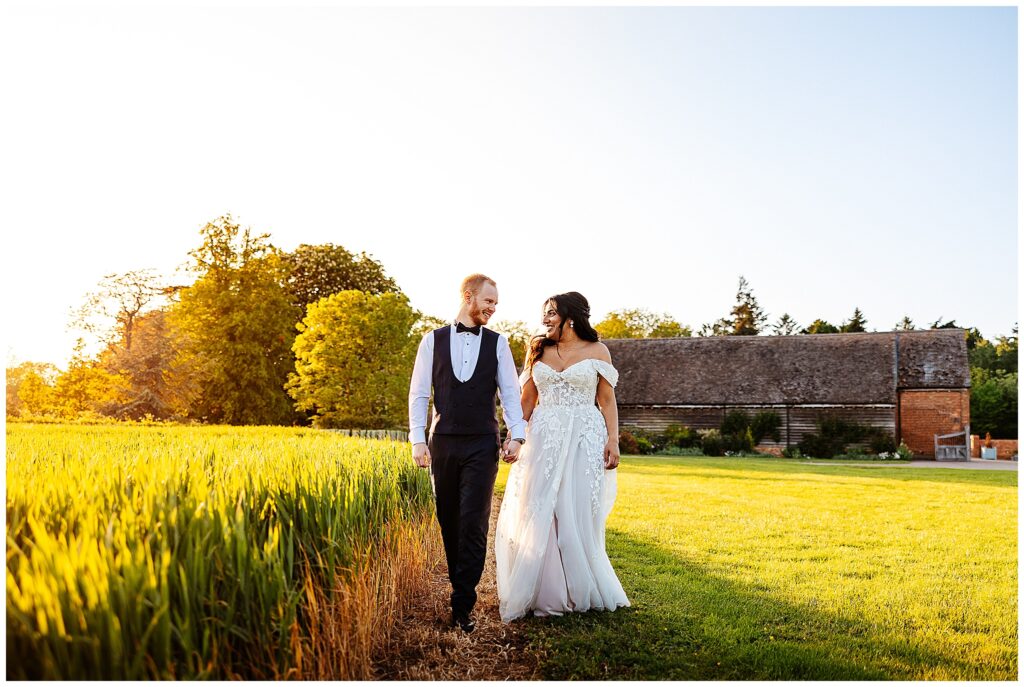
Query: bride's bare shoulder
{"x": 600, "y": 351}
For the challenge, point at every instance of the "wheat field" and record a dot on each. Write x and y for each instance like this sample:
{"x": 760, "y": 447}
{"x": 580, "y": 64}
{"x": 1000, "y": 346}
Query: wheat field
{"x": 206, "y": 552}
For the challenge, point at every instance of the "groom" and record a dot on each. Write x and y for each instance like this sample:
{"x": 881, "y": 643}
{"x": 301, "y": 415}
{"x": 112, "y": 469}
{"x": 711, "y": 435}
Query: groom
{"x": 466, "y": 364}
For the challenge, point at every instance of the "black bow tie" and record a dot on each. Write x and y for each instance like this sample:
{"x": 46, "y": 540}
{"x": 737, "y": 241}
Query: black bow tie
{"x": 463, "y": 328}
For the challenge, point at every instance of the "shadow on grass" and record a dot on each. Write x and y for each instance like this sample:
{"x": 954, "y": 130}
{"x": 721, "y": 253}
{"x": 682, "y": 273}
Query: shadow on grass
{"x": 782, "y": 469}
{"x": 687, "y": 623}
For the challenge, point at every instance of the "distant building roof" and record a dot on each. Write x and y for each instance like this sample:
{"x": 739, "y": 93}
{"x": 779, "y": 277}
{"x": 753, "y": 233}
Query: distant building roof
{"x": 802, "y": 368}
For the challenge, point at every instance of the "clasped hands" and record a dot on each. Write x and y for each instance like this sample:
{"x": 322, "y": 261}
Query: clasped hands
{"x": 509, "y": 453}
{"x": 510, "y": 450}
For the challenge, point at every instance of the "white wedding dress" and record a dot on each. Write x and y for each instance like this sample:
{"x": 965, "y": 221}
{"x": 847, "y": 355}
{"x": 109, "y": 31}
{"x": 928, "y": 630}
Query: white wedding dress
{"x": 549, "y": 541}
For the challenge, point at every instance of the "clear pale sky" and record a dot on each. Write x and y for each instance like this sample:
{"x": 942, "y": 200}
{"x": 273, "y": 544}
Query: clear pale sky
{"x": 646, "y": 157}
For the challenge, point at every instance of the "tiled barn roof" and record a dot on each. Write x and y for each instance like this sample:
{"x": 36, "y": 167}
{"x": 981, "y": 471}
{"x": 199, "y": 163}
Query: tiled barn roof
{"x": 802, "y": 368}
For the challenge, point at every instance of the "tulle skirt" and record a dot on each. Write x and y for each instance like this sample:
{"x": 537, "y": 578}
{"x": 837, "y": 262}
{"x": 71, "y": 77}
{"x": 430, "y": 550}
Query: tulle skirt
{"x": 550, "y": 536}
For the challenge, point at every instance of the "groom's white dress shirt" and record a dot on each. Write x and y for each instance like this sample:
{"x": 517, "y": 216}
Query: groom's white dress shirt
{"x": 465, "y": 350}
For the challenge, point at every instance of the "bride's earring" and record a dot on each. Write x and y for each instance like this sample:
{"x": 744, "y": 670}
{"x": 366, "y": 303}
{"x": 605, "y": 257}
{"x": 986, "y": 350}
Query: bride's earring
{"x": 570, "y": 325}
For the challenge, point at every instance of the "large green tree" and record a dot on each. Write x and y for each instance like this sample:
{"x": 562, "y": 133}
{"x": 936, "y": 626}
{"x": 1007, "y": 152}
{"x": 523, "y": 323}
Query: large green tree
{"x": 235, "y": 327}
{"x": 994, "y": 377}
{"x": 1000, "y": 356}
{"x": 316, "y": 271}
{"x": 354, "y": 358}
{"x": 994, "y": 403}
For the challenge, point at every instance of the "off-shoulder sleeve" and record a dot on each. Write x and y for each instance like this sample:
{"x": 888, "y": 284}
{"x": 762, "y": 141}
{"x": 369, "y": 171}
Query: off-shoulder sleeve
{"x": 607, "y": 371}
{"x": 524, "y": 377}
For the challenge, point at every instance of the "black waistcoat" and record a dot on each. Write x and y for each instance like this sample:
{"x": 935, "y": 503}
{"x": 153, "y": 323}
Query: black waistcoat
{"x": 465, "y": 407}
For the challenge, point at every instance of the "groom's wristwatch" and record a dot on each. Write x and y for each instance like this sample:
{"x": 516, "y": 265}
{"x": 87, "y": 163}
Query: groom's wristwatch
{"x": 521, "y": 441}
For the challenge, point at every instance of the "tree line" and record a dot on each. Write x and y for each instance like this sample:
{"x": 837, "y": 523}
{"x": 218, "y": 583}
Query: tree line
{"x": 324, "y": 336}
{"x": 221, "y": 349}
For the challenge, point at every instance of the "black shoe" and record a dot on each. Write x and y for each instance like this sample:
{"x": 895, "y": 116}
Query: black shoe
{"x": 463, "y": 621}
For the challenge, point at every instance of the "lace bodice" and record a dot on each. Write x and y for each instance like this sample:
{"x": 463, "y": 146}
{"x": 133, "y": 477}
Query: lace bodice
{"x": 576, "y": 385}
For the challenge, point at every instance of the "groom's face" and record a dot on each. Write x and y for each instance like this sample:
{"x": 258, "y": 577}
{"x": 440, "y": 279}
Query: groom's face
{"x": 483, "y": 303}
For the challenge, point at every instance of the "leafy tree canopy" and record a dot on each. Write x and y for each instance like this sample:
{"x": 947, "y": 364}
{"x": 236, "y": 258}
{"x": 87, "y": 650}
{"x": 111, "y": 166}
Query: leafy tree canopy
{"x": 639, "y": 323}
{"x": 354, "y": 358}
{"x": 235, "y": 327}
{"x": 316, "y": 271}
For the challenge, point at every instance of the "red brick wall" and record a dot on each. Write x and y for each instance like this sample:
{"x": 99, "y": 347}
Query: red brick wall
{"x": 927, "y": 412}
{"x": 1005, "y": 448}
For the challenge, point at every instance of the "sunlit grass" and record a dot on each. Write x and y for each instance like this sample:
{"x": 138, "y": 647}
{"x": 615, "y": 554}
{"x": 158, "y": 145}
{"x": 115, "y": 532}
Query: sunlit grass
{"x": 745, "y": 568}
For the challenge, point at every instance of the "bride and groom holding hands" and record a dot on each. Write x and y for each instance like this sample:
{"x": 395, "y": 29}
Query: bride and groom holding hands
{"x": 562, "y": 445}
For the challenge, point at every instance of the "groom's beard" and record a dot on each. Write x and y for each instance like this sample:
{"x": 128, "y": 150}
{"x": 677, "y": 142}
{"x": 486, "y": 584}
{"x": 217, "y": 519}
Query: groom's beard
{"x": 477, "y": 315}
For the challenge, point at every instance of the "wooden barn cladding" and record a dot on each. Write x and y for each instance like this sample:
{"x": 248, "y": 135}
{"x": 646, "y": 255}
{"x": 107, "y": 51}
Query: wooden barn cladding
{"x": 859, "y": 376}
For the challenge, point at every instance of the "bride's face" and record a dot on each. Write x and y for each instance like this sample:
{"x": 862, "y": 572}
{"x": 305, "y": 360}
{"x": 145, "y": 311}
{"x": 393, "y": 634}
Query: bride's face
{"x": 551, "y": 319}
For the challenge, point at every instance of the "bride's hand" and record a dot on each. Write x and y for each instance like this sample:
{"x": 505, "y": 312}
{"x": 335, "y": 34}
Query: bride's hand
{"x": 611, "y": 453}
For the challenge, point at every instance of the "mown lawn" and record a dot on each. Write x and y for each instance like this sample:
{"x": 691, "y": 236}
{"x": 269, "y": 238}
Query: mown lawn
{"x": 748, "y": 568}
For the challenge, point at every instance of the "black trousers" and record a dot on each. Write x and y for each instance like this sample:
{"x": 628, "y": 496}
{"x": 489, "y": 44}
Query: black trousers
{"x": 463, "y": 468}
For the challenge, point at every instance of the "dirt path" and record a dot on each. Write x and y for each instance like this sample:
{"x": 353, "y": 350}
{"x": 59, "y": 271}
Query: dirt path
{"x": 423, "y": 647}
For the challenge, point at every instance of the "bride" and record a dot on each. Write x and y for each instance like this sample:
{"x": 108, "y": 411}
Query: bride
{"x": 549, "y": 540}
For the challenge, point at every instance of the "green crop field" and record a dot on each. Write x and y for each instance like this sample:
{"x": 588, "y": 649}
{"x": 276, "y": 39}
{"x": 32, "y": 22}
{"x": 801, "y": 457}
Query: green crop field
{"x": 207, "y": 552}
{"x": 747, "y": 568}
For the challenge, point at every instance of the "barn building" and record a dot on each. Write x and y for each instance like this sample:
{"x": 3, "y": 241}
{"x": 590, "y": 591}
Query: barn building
{"x": 915, "y": 384}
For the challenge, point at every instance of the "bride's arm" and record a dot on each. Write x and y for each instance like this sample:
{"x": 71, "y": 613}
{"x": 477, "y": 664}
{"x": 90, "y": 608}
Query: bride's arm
{"x": 529, "y": 399}
{"x": 606, "y": 402}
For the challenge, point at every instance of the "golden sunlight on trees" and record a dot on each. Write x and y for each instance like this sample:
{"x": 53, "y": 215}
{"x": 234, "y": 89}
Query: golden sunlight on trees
{"x": 322, "y": 270}
{"x": 354, "y": 358}
{"x": 124, "y": 313}
{"x": 155, "y": 386}
{"x": 86, "y": 388}
{"x": 30, "y": 389}
{"x": 217, "y": 350}
{"x": 639, "y": 323}
{"x": 236, "y": 327}
{"x": 111, "y": 311}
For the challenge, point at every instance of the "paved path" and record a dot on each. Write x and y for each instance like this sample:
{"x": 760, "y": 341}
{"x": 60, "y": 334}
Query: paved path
{"x": 974, "y": 464}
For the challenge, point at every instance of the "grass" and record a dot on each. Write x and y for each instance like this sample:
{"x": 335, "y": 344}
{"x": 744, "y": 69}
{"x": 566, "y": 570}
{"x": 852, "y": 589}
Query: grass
{"x": 752, "y": 568}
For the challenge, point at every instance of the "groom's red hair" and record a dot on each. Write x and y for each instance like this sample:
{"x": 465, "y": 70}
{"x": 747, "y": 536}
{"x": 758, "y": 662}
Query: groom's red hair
{"x": 473, "y": 282}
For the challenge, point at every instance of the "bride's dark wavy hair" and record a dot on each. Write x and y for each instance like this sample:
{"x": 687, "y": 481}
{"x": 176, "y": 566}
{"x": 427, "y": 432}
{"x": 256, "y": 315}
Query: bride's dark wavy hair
{"x": 569, "y": 306}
